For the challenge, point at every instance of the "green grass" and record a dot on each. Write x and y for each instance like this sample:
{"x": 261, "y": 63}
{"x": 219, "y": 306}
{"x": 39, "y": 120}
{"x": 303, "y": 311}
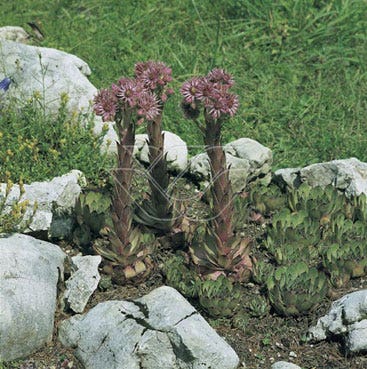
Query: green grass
{"x": 300, "y": 65}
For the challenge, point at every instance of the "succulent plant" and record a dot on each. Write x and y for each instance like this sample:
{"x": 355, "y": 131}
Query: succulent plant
{"x": 343, "y": 261}
{"x": 92, "y": 210}
{"x": 240, "y": 320}
{"x": 357, "y": 208}
{"x": 241, "y": 206}
{"x": 296, "y": 289}
{"x": 267, "y": 199}
{"x": 342, "y": 228}
{"x": 289, "y": 226}
{"x": 258, "y": 306}
{"x": 219, "y": 252}
{"x": 220, "y": 298}
{"x": 157, "y": 211}
{"x": 290, "y": 252}
{"x": 130, "y": 262}
{"x": 128, "y": 103}
{"x": 213, "y": 258}
{"x": 261, "y": 271}
{"x": 180, "y": 276}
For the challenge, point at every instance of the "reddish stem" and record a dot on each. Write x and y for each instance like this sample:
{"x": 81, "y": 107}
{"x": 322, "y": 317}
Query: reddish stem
{"x": 122, "y": 204}
{"x": 221, "y": 186}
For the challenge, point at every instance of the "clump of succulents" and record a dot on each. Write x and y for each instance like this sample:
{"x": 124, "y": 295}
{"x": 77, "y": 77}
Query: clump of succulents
{"x": 356, "y": 208}
{"x": 343, "y": 261}
{"x": 220, "y": 252}
{"x": 220, "y": 298}
{"x": 179, "y": 275}
{"x": 296, "y": 289}
{"x": 321, "y": 203}
{"x": 261, "y": 271}
{"x": 291, "y": 236}
{"x": 126, "y": 263}
{"x": 242, "y": 211}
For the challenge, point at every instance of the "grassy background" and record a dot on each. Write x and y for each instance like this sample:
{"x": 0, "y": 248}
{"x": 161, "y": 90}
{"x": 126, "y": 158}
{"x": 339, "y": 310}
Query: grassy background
{"x": 300, "y": 65}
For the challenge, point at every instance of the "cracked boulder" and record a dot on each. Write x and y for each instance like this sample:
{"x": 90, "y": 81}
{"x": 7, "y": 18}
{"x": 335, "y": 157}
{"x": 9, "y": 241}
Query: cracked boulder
{"x": 55, "y": 203}
{"x": 29, "y": 273}
{"x": 160, "y": 330}
{"x": 347, "y": 319}
{"x": 347, "y": 175}
{"x": 247, "y": 161}
{"x": 83, "y": 281}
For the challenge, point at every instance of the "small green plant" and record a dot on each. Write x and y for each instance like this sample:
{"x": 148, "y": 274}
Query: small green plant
{"x": 261, "y": 271}
{"x": 266, "y": 199}
{"x": 296, "y": 289}
{"x": 14, "y": 214}
{"x": 179, "y": 275}
{"x": 92, "y": 211}
{"x": 221, "y": 297}
{"x": 258, "y": 306}
{"x": 345, "y": 260}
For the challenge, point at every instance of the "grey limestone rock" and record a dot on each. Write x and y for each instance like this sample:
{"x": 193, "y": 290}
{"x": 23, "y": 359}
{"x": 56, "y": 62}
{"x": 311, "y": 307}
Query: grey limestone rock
{"x": 160, "y": 330}
{"x": 51, "y": 73}
{"x": 347, "y": 175}
{"x": 247, "y": 161}
{"x": 12, "y": 33}
{"x": 174, "y": 147}
{"x": 347, "y": 319}
{"x": 29, "y": 273}
{"x": 83, "y": 281}
{"x": 55, "y": 203}
{"x": 284, "y": 365}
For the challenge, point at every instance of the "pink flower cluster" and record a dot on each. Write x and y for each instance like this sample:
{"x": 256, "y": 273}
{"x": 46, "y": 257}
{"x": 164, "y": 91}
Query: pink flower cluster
{"x": 212, "y": 92}
{"x": 145, "y": 93}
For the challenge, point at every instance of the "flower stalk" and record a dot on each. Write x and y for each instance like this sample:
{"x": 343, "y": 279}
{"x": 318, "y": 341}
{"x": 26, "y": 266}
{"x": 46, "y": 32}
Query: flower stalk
{"x": 157, "y": 211}
{"x": 128, "y": 103}
{"x": 221, "y": 252}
